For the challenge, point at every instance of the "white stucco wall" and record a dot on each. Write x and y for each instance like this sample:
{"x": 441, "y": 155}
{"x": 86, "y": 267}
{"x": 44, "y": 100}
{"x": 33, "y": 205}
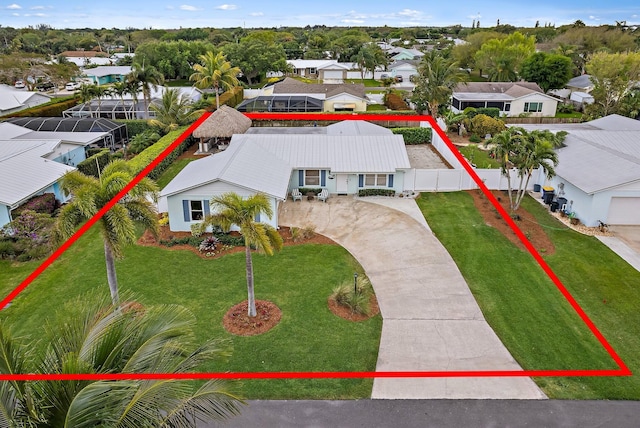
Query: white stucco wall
{"x": 549, "y": 105}
{"x": 4, "y": 215}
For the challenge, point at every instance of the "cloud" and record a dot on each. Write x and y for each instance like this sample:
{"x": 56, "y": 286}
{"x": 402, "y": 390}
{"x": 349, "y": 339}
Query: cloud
{"x": 594, "y": 18}
{"x": 352, "y": 21}
{"x": 227, "y": 7}
{"x": 37, "y": 7}
{"x": 256, "y": 14}
{"x": 14, "y": 6}
{"x": 189, "y": 8}
{"x": 410, "y": 13}
{"x": 15, "y": 14}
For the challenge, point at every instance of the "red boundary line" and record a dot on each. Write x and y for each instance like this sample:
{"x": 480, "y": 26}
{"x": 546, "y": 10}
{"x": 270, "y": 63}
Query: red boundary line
{"x": 622, "y": 371}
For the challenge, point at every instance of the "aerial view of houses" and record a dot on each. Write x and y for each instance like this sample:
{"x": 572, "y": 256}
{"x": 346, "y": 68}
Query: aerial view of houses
{"x": 234, "y": 220}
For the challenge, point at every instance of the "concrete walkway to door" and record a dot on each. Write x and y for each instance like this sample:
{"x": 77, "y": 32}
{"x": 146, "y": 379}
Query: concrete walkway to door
{"x": 431, "y": 321}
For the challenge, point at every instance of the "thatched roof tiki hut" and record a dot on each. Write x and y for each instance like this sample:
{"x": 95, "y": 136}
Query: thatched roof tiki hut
{"x": 222, "y": 124}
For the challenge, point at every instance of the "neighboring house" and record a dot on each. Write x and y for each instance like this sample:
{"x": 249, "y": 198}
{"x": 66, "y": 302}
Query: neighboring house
{"x": 320, "y": 69}
{"x": 291, "y": 95}
{"x": 345, "y": 159}
{"x": 581, "y": 99}
{"x": 404, "y": 68}
{"x": 581, "y": 83}
{"x": 13, "y": 100}
{"x": 511, "y": 98}
{"x": 599, "y": 170}
{"x": 30, "y": 165}
{"x": 107, "y": 74}
{"x": 401, "y": 54}
{"x": 85, "y": 58}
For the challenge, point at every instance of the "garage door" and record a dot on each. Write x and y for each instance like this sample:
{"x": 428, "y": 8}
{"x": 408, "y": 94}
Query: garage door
{"x": 624, "y": 211}
{"x": 333, "y": 74}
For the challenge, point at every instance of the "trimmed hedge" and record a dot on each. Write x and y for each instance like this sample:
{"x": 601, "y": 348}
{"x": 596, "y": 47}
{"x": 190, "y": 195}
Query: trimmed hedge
{"x": 135, "y": 127}
{"x": 472, "y": 112}
{"x": 414, "y": 135}
{"x": 150, "y": 153}
{"x": 89, "y": 167}
{"x": 53, "y": 108}
{"x": 376, "y": 192}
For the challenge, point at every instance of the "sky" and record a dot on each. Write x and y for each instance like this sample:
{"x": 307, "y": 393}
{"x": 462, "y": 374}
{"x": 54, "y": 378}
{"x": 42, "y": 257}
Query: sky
{"x": 169, "y": 14}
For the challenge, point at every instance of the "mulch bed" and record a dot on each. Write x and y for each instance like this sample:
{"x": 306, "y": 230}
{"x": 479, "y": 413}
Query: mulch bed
{"x": 237, "y": 321}
{"x": 165, "y": 234}
{"x": 345, "y": 312}
{"x": 527, "y": 223}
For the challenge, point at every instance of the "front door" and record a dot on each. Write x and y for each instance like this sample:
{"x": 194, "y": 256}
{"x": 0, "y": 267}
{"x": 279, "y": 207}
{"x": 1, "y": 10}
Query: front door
{"x": 342, "y": 183}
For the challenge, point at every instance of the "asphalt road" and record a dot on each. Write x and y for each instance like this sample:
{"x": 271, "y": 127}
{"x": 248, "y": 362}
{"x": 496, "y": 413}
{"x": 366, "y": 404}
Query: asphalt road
{"x": 437, "y": 413}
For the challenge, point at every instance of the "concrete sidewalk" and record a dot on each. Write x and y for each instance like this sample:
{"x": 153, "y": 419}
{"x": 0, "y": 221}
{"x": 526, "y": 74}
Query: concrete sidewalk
{"x": 431, "y": 320}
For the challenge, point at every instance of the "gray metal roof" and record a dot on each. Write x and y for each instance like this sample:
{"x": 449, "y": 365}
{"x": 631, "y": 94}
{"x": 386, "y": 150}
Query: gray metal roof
{"x": 615, "y": 122}
{"x": 583, "y": 81}
{"x": 357, "y": 127}
{"x": 24, "y": 171}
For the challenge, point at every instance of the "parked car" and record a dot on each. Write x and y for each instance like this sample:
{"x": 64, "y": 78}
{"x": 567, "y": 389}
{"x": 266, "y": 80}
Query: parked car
{"x": 398, "y": 78}
{"x": 45, "y": 86}
{"x": 19, "y": 84}
{"x": 72, "y": 86}
{"x": 384, "y": 76}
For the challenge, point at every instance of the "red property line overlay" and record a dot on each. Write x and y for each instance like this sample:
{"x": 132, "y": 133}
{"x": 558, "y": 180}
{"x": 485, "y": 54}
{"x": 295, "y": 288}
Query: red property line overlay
{"x": 622, "y": 371}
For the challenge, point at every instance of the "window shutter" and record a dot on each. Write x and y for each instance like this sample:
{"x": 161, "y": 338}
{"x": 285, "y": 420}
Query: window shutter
{"x": 390, "y": 180}
{"x": 185, "y": 211}
{"x": 360, "y": 180}
{"x": 301, "y": 178}
{"x": 323, "y": 178}
{"x": 205, "y": 204}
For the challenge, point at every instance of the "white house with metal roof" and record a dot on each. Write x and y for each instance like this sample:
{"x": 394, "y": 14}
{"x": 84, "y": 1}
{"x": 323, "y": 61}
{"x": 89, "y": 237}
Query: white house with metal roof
{"x": 13, "y": 100}
{"x": 599, "y": 171}
{"x": 274, "y": 164}
{"x": 511, "y": 98}
{"x": 32, "y": 162}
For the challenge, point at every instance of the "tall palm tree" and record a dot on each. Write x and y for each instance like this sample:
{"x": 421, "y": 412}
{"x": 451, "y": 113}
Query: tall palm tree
{"x": 133, "y": 88}
{"x": 231, "y": 209}
{"x": 97, "y": 338}
{"x": 86, "y": 96}
{"x": 118, "y": 225}
{"x": 147, "y": 77}
{"x": 503, "y": 147}
{"x": 215, "y": 72}
{"x": 99, "y": 92}
{"x": 120, "y": 89}
{"x": 174, "y": 110}
{"x": 437, "y": 78}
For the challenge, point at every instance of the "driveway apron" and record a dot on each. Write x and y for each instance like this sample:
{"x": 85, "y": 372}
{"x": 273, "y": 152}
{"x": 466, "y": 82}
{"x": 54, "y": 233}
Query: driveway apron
{"x": 431, "y": 322}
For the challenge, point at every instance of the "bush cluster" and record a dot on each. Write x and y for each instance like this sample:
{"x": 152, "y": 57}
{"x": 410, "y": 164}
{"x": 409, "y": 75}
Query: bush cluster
{"x": 482, "y": 125}
{"x": 89, "y": 167}
{"x": 135, "y": 127}
{"x": 43, "y": 204}
{"x": 149, "y": 154}
{"x": 376, "y": 192}
{"x": 414, "y": 135}
{"x": 395, "y": 102}
{"x": 356, "y": 298}
{"x": 27, "y": 237}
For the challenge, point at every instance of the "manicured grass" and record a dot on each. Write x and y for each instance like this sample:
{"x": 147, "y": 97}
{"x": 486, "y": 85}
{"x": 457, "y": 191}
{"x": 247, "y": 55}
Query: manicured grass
{"x": 478, "y": 156}
{"x": 299, "y": 280}
{"x": 529, "y": 314}
{"x": 575, "y": 114}
{"x": 369, "y": 83}
{"x": 173, "y": 170}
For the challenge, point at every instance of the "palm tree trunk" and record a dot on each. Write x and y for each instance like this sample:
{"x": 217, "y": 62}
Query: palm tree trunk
{"x": 250, "y": 289}
{"x": 215, "y": 88}
{"x": 112, "y": 279}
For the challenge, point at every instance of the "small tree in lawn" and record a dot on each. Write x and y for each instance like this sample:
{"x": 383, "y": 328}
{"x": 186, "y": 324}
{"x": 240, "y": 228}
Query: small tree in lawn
{"x": 231, "y": 209}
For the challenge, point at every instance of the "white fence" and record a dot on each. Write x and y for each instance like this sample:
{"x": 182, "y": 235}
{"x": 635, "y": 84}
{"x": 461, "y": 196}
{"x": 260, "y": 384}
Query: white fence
{"x": 451, "y": 180}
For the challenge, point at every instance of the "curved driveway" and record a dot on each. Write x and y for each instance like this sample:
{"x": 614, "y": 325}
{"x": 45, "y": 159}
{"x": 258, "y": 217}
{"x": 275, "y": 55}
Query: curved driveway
{"x": 431, "y": 321}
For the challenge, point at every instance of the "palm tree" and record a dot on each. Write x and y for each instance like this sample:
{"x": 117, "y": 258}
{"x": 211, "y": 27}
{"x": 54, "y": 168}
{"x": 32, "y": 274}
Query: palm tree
{"x": 118, "y": 225}
{"x": 146, "y": 77}
{"x": 174, "y": 110}
{"x": 215, "y": 72}
{"x": 86, "y": 95}
{"x": 503, "y": 147}
{"x": 96, "y": 338}
{"x": 231, "y": 209}
{"x": 120, "y": 89}
{"x": 437, "y": 78}
{"x": 100, "y": 91}
{"x": 133, "y": 88}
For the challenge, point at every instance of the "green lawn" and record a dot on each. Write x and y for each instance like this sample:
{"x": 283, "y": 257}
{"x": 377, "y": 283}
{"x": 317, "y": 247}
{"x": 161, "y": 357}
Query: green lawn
{"x": 369, "y": 83}
{"x": 299, "y": 280}
{"x": 529, "y": 314}
{"x": 478, "y": 156}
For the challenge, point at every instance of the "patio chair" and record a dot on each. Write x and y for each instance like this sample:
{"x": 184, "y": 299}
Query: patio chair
{"x": 323, "y": 195}
{"x": 296, "y": 195}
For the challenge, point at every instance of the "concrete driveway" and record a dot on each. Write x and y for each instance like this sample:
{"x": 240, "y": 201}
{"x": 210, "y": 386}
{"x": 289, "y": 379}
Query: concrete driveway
{"x": 431, "y": 321}
{"x": 625, "y": 242}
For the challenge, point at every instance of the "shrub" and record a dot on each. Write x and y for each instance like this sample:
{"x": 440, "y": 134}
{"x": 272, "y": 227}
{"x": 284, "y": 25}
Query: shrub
{"x": 7, "y": 249}
{"x": 358, "y": 299}
{"x": 482, "y": 125}
{"x": 89, "y": 166}
{"x": 164, "y": 219}
{"x": 376, "y": 107}
{"x": 376, "y": 192}
{"x": 395, "y": 102}
{"x": 566, "y": 108}
{"x": 142, "y": 141}
{"x": 302, "y": 234}
{"x": 149, "y": 154}
{"x": 43, "y": 204}
{"x": 414, "y": 135}
{"x": 475, "y": 139}
{"x": 197, "y": 230}
{"x": 135, "y": 127}
{"x": 209, "y": 244}
{"x": 493, "y": 112}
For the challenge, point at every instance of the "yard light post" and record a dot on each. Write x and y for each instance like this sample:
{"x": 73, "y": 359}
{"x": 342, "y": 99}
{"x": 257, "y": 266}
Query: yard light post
{"x": 355, "y": 283}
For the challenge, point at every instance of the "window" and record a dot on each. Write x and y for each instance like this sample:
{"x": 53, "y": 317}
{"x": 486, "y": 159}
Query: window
{"x": 375, "y": 180}
{"x": 532, "y": 107}
{"x": 197, "y": 210}
{"x": 313, "y": 70}
{"x": 312, "y": 177}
